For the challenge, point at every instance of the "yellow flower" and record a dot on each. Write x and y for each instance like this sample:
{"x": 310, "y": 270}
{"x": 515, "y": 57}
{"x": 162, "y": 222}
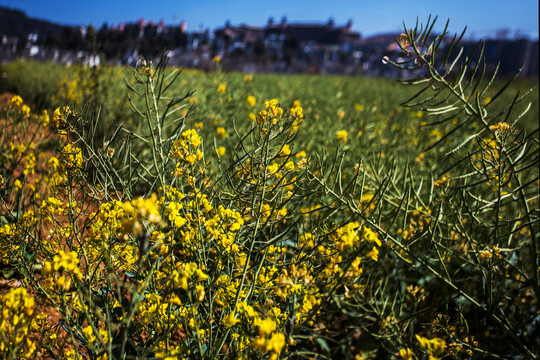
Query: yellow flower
{"x": 44, "y": 118}
{"x": 16, "y": 313}
{"x": 146, "y": 208}
{"x": 435, "y": 133}
{"x": 373, "y": 254}
{"x": 342, "y": 135}
{"x": 46, "y": 269}
{"x": 432, "y": 346}
{"x": 68, "y": 261}
{"x": 174, "y": 214}
{"x": 216, "y": 59}
{"x": 406, "y": 354}
{"x": 266, "y": 326}
{"x": 201, "y": 275}
{"x": 502, "y": 126}
{"x": 200, "y": 292}
{"x": 241, "y": 259}
{"x": 301, "y": 154}
{"x": 60, "y": 116}
{"x": 230, "y": 320}
{"x": 191, "y": 159}
{"x": 371, "y": 236}
{"x": 17, "y": 100}
{"x": 251, "y": 100}
{"x": 359, "y": 107}
{"x": 221, "y": 132}
{"x": 221, "y": 150}
{"x": 147, "y": 68}
{"x": 70, "y": 355}
{"x": 296, "y": 110}
{"x": 25, "y": 110}
{"x": 276, "y": 343}
{"x": 289, "y": 166}
{"x": 72, "y": 156}
{"x": 222, "y": 88}
{"x": 89, "y": 334}
{"x": 272, "y": 114}
{"x": 272, "y": 168}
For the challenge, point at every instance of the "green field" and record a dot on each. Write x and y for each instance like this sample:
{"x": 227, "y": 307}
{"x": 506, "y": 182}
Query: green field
{"x": 336, "y": 222}
{"x": 367, "y": 108}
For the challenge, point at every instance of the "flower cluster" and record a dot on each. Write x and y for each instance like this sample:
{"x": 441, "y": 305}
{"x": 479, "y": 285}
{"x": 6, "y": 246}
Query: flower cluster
{"x": 186, "y": 149}
{"x": 500, "y": 127}
{"x": 71, "y": 157}
{"x": 18, "y": 104}
{"x": 272, "y": 113}
{"x": 60, "y": 273}
{"x": 60, "y": 117}
{"x": 434, "y": 347}
{"x": 17, "y": 310}
{"x": 147, "y": 68}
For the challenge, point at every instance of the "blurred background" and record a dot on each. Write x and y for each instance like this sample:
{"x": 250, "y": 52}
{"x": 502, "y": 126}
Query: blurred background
{"x": 336, "y": 37}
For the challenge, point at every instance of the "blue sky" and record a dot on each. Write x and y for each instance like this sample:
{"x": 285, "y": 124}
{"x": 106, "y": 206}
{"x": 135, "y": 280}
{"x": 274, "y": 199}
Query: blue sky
{"x": 483, "y": 18}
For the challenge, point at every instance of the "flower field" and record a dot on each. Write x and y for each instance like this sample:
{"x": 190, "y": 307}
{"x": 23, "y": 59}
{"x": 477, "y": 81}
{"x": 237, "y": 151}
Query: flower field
{"x": 159, "y": 213}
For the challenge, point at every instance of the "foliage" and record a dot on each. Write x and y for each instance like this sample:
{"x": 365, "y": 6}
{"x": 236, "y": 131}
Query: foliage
{"x": 198, "y": 227}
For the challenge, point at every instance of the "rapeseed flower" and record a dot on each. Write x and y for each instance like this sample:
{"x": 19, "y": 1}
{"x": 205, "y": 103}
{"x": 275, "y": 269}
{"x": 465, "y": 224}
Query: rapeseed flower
{"x": 371, "y": 236}
{"x": 16, "y": 317}
{"x": 199, "y": 289}
{"x": 501, "y": 127}
{"x": 406, "y": 354}
{"x": 25, "y": 110}
{"x": 266, "y": 326}
{"x": 433, "y": 346}
{"x": 16, "y": 101}
{"x": 72, "y": 157}
{"x": 230, "y": 320}
{"x": 276, "y": 343}
{"x": 373, "y": 254}
{"x": 342, "y": 135}
{"x": 271, "y": 114}
{"x": 221, "y": 132}
{"x": 60, "y": 116}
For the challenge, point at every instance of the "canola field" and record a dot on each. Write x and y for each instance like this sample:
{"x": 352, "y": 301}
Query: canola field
{"x": 159, "y": 213}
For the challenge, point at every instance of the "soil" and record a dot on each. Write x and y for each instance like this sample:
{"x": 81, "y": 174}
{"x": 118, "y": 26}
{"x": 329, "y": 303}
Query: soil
{"x": 38, "y": 135}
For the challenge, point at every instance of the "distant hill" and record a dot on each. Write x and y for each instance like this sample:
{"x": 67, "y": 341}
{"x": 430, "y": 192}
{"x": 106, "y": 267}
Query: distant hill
{"x": 16, "y": 23}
